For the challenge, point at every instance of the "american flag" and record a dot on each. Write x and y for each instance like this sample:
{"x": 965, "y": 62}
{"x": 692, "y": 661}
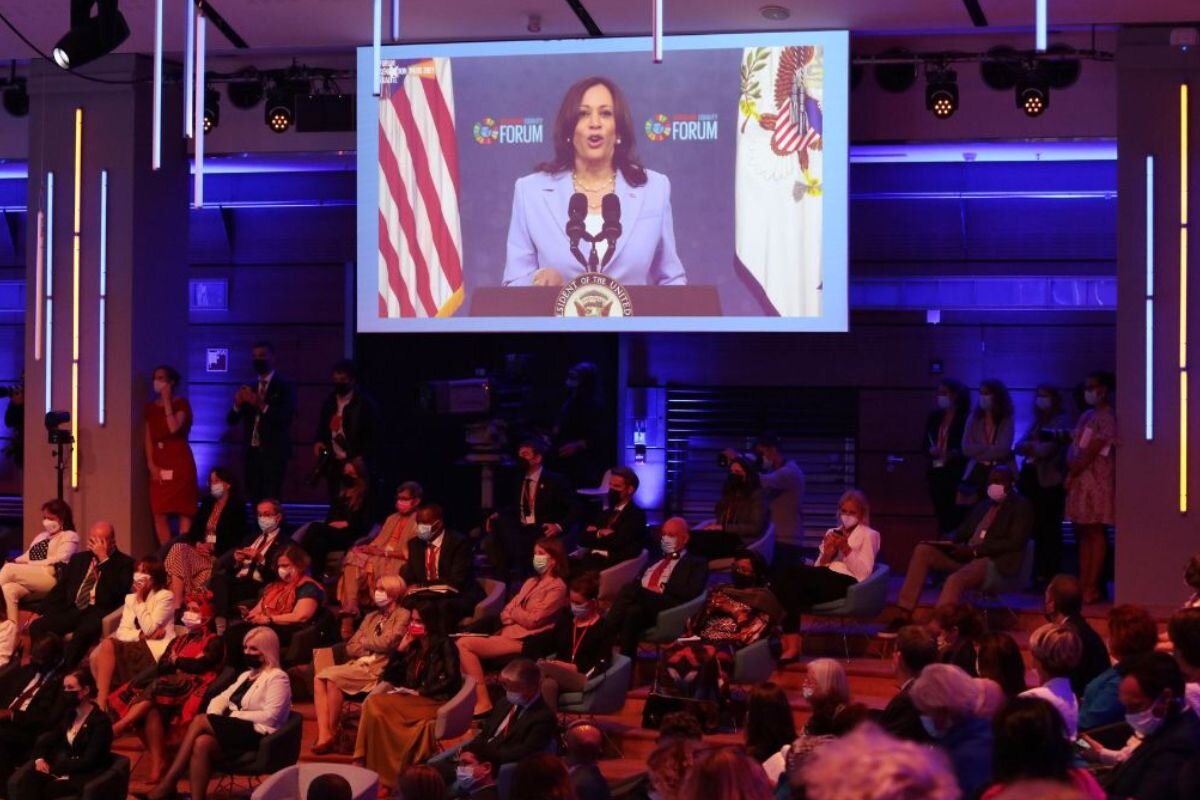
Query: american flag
{"x": 420, "y": 232}
{"x": 794, "y": 132}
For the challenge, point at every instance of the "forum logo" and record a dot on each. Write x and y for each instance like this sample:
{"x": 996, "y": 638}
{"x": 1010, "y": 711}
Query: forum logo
{"x": 509, "y": 130}
{"x": 683, "y": 127}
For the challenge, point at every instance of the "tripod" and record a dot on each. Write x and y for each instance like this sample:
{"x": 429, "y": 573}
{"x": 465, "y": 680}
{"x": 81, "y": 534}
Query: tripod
{"x": 60, "y": 443}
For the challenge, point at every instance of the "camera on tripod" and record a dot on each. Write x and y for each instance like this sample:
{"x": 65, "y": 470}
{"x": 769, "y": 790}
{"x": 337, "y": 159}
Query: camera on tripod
{"x": 54, "y": 422}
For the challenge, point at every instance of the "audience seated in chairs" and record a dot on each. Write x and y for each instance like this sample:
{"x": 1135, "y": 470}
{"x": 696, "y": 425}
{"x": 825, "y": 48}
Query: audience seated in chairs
{"x": 399, "y": 718}
{"x": 739, "y": 518}
{"x": 329, "y": 787}
{"x": 542, "y": 776}
{"x": 948, "y": 700}
{"x": 1030, "y": 743}
{"x": 29, "y": 702}
{"x": 384, "y": 555}
{"x": 440, "y": 572}
{"x": 420, "y": 782}
{"x": 1184, "y": 632}
{"x": 540, "y": 499}
{"x": 577, "y": 647}
{"x": 288, "y": 605}
{"x": 1064, "y": 605}
{"x": 1055, "y": 650}
{"x": 348, "y": 519}
{"x": 670, "y": 763}
{"x": 868, "y": 764}
{"x": 219, "y": 526}
{"x": 239, "y": 577}
{"x": 847, "y": 557}
{"x": 992, "y": 536}
{"x": 616, "y": 533}
{"x": 162, "y": 702}
{"x": 34, "y": 573}
{"x": 584, "y": 743}
{"x": 726, "y": 774}
{"x": 530, "y": 612}
{"x": 827, "y": 691}
{"x": 770, "y": 728}
{"x": 916, "y": 648}
{"x": 999, "y": 660}
{"x": 735, "y": 615}
{"x": 673, "y": 580}
{"x": 367, "y": 654}
{"x": 146, "y": 630}
{"x": 957, "y": 628}
{"x": 476, "y": 773}
{"x": 92, "y": 586}
{"x": 256, "y": 704}
{"x": 1132, "y": 633}
{"x": 75, "y": 749}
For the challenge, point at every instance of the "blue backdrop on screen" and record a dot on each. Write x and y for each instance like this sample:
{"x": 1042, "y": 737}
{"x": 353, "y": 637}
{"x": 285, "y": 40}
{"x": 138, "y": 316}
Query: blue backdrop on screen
{"x": 689, "y": 116}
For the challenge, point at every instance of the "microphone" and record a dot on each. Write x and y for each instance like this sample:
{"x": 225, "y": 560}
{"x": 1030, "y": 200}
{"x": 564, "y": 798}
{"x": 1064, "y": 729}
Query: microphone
{"x": 576, "y": 228}
{"x": 610, "y": 210}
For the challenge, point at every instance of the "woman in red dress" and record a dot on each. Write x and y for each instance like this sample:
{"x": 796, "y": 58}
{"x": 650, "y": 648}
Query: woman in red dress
{"x": 169, "y": 457}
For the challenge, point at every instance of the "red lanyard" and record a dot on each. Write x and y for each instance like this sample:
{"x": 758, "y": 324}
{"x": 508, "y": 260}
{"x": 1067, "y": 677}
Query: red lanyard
{"x": 578, "y": 633}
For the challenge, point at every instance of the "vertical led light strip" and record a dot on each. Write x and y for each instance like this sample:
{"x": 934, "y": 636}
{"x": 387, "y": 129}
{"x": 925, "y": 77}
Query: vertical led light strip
{"x": 395, "y": 20}
{"x": 75, "y": 267}
{"x": 376, "y": 45}
{"x": 39, "y": 286}
{"x": 102, "y": 360}
{"x": 198, "y": 117}
{"x": 1149, "y": 298}
{"x": 189, "y": 59}
{"x": 49, "y": 302}
{"x": 1039, "y": 25}
{"x": 156, "y": 135}
{"x": 1183, "y": 298}
{"x": 656, "y": 31}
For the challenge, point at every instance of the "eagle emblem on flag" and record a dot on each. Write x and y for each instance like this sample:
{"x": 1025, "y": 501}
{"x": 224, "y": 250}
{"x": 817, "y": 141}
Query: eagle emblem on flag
{"x": 796, "y": 121}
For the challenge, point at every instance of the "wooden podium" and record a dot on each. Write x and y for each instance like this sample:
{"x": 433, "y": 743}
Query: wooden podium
{"x": 647, "y": 301}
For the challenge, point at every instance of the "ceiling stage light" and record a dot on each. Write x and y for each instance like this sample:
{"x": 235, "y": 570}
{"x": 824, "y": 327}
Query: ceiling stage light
{"x": 90, "y": 36}
{"x": 280, "y": 112}
{"x": 212, "y": 109}
{"x": 941, "y": 93}
{"x": 1033, "y": 96}
{"x": 16, "y": 99}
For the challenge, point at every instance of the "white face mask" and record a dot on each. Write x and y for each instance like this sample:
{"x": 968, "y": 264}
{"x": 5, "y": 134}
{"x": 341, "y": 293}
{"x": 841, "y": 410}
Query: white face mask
{"x": 541, "y": 564}
{"x": 930, "y": 727}
{"x": 1144, "y": 722}
{"x": 997, "y": 491}
{"x": 217, "y": 490}
{"x": 579, "y": 611}
{"x": 985, "y": 401}
{"x": 140, "y": 579}
{"x": 425, "y": 532}
{"x": 159, "y": 385}
{"x": 1043, "y": 403}
{"x": 51, "y": 525}
{"x": 267, "y": 524}
{"x": 1091, "y": 397}
{"x": 669, "y": 544}
{"x": 381, "y": 598}
{"x": 191, "y": 619}
{"x": 286, "y": 573}
{"x": 943, "y": 401}
{"x": 465, "y": 776}
{"x": 807, "y": 692}
{"x": 514, "y": 698}
{"x": 849, "y": 522}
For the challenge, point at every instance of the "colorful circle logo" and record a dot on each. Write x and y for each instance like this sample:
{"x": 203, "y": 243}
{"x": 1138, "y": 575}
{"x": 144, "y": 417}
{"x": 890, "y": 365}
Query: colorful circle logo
{"x": 658, "y": 128}
{"x": 487, "y": 131}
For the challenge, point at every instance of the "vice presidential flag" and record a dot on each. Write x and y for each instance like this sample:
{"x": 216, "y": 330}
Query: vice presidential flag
{"x": 420, "y": 231}
{"x": 778, "y": 178}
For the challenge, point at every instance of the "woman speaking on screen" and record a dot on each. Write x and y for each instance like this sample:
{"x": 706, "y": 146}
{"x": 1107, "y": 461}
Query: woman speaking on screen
{"x": 550, "y": 236}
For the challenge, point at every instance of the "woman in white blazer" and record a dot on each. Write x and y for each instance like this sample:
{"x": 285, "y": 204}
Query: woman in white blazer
{"x": 34, "y": 573}
{"x": 256, "y": 704}
{"x": 147, "y": 627}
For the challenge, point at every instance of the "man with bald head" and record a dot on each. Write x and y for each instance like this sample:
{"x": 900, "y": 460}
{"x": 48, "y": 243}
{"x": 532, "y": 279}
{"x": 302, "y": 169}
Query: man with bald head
{"x": 585, "y": 745}
{"x": 93, "y": 584}
{"x": 673, "y": 580}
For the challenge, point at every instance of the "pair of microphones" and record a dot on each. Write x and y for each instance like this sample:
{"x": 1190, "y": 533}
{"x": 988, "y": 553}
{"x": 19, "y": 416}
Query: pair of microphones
{"x": 610, "y": 230}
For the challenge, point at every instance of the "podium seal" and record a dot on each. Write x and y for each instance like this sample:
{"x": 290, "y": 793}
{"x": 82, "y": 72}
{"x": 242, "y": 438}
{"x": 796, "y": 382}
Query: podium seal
{"x": 593, "y": 294}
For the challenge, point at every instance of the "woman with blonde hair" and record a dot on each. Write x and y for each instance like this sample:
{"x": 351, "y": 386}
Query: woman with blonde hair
{"x": 367, "y": 651}
{"x": 827, "y": 691}
{"x": 847, "y": 557}
{"x": 868, "y": 764}
{"x": 669, "y": 765}
{"x": 1056, "y": 650}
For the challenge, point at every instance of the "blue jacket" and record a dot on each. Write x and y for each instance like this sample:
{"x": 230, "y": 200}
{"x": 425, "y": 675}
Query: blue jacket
{"x": 1100, "y": 705}
{"x": 969, "y": 748}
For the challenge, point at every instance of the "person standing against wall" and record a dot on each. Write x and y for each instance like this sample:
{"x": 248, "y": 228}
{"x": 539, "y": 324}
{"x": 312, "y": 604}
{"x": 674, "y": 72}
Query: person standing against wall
{"x": 1092, "y": 481}
{"x": 169, "y": 459}
{"x": 943, "y": 441}
{"x": 1041, "y": 480}
{"x": 265, "y": 411}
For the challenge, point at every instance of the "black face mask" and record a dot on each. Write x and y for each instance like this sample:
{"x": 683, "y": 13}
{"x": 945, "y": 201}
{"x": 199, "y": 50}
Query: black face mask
{"x": 253, "y": 661}
{"x": 261, "y": 366}
{"x": 71, "y": 699}
{"x": 742, "y": 581}
{"x": 614, "y": 498}
{"x": 348, "y": 481}
{"x": 342, "y": 389}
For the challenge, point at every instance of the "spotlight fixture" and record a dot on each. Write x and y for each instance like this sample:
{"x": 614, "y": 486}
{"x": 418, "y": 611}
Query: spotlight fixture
{"x": 16, "y": 98}
{"x": 90, "y": 36}
{"x": 941, "y": 92}
{"x": 1033, "y": 95}
{"x": 246, "y": 92}
{"x": 897, "y": 71}
{"x": 212, "y": 109}
{"x": 280, "y": 112}
{"x": 774, "y": 13}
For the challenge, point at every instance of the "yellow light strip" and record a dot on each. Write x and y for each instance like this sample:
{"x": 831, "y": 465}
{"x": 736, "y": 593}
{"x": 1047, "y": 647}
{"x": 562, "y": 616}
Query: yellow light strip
{"x": 1183, "y": 297}
{"x": 75, "y": 269}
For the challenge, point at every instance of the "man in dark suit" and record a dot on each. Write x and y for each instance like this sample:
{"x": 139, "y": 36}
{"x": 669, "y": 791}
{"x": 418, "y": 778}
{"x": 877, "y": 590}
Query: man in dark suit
{"x": 240, "y": 575}
{"x": 265, "y": 411}
{"x": 617, "y": 533}
{"x": 29, "y": 704}
{"x": 347, "y": 426}
{"x": 439, "y": 558}
{"x": 671, "y": 581}
{"x": 541, "y": 500}
{"x": 1152, "y": 691}
{"x": 992, "y": 536}
{"x": 93, "y": 585}
{"x": 585, "y": 746}
{"x": 1064, "y": 606}
{"x": 521, "y": 724}
{"x": 916, "y": 648}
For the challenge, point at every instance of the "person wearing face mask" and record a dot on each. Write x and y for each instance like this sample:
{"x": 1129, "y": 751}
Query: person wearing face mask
{"x": 1055, "y": 650}
{"x": 265, "y": 410}
{"x": 288, "y": 605}
{"x": 671, "y": 581}
{"x": 1030, "y": 743}
{"x": 348, "y": 519}
{"x": 616, "y": 533}
{"x": 1041, "y": 480}
{"x": 256, "y": 704}
{"x": 847, "y": 557}
{"x": 29, "y": 701}
{"x": 987, "y": 440}
{"x": 365, "y": 656}
{"x": 146, "y": 630}
{"x": 93, "y": 585}
{"x": 398, "y": 719}
{"x": 440, "y": 571}
{"x": 947, "y": 698}
{"x": 160, "y": 703}
{"x": 33, "y": 574}
{"x": 240, "y": 575}
{"x": 169, "y": 459}
{"x": 944, "y": 428}
{"x": 740, "y": 515}
{"x": 385, "y": 555}
{"x": 540, "y": 502}
{"x": 70, "y": 753}
{"x": 531, "y": 611}
{"x": 957, "y": 627}
{"x": 346, "y": 426}
{"x": 219, "y": 525}
{"x": 992, "y": 537}
{"x": 1092, "y": 481}
{"x": 578, "y": 647}
{"x": 476, "y": 773}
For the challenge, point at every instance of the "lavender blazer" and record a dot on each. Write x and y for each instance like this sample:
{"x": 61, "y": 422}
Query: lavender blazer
{"x": 645, "y": 252}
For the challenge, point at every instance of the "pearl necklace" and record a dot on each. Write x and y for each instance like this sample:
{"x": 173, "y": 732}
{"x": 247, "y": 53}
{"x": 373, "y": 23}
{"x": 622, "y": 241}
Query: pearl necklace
{"x": 606, "y": 187}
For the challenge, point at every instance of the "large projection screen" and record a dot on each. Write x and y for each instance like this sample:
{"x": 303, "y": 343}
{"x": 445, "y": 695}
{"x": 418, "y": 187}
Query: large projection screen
{"x": 727, "y": 162}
